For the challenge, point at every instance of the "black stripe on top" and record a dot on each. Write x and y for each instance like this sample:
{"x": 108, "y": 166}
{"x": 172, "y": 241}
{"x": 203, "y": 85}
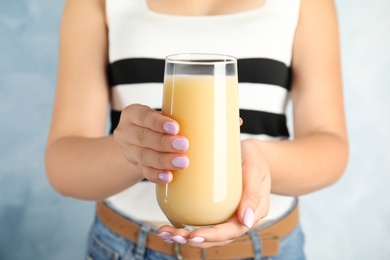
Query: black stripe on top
{"x": 145, "y": 70}
{"x": 254, "y": 122}
{"x": 137, "y": 70}
{"x": 259, "y": 122}
{"x": 264, "y": 71}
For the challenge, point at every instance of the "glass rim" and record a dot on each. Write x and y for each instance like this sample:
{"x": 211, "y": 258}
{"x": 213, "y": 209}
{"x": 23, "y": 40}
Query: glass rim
{"x": 200, "y": 58}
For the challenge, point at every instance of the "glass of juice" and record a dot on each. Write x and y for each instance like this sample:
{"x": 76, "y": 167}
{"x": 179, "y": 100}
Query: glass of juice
{"x": 201, "y": 94}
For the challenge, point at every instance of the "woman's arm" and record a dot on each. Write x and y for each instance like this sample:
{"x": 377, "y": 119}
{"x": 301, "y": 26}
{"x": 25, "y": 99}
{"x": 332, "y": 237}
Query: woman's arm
{"x": 80, "y": 161}
{"x": 318, "y": 155}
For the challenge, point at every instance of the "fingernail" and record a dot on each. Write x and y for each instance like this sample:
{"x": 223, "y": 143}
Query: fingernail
{"x": 180, "y": 144}
{"x": 179, "y": 239}
{"x": 196, "y": 239}
{"x": 165, "y": 177}
{"x": 171, "y": 128}
{"x": 180, "y": 162}
{"x": 248, "y": 218}
{"x": 170, "y": 241}
{"x": 164, "y": 235}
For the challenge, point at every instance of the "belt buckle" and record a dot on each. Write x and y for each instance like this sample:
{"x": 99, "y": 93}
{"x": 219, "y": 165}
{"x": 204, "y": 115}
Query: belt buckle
{"x": 180, "y": 257}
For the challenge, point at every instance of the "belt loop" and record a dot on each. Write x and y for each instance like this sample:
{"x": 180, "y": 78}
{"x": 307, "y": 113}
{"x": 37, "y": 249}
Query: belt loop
{"x": 178, "y": 252}
{"x": 141, "y": 242}
{"x": 256, "y": 242}
{"x": 180, "y": 257}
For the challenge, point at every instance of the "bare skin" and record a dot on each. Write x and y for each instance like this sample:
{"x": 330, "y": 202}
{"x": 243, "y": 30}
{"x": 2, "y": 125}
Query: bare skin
{"x": 83, "y": 163}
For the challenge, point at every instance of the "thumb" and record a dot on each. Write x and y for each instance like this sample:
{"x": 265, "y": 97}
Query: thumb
{"x": 255, "y": 198}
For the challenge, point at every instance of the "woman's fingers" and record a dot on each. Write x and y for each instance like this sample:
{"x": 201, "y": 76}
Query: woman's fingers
{"x": 144, "y": 137}
{"x": 218, "y": 235}
{"x": 227, "y": 231}
{"x": 156, "y": 176}
{"x": 158, "y": 160}
{"x": 147, "y": 117}
{"x": 144, "y": 127}
{"x": 149, "y": 140}
{"x": 172, "y": 234}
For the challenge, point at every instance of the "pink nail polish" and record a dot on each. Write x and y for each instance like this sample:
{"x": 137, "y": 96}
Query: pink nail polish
{"x": 170, "y": 128}
{"x": 180, "y": 144}
{"x": 164, "y": 235}
{"x": 196, "y": 239}
{"x": 248, "y": 217}
{"x": 179, "y": 239}
{"x": 170, "y": 241}
{"x": 180, "y": 162}
{"x": 165, "y": 177}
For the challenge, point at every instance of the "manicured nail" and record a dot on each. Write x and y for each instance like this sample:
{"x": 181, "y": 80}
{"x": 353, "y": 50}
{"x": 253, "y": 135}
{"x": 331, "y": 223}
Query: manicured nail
{"x": 179, "y": 239}
{"x": 165, "y": 177}
{"x": 171, "y": 128}
{"x": 248, "y": 217}
{"x": 196, "y": 239}
{"x": 164, "y": 235}
{"x": 180, "y": 144}
{"x": 180, "y": 162}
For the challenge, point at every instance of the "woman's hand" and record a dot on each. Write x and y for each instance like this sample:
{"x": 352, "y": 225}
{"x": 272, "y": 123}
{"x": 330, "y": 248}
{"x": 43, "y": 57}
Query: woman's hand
{"x": 149, "y": 140}
{"x": 253, "y": 207}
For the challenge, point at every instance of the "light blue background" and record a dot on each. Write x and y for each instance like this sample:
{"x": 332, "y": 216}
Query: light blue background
{"x": 350, "y": 220}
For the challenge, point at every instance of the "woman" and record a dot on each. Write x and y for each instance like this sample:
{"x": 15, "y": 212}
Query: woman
{"x": 111, "y": 57}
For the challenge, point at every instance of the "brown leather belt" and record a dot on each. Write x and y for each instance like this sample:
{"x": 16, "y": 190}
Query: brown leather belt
{"x": 240, "y": 248}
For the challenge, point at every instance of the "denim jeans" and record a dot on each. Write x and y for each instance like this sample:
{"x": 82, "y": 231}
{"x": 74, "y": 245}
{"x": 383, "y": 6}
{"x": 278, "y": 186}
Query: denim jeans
{"x": 103, "y": 244}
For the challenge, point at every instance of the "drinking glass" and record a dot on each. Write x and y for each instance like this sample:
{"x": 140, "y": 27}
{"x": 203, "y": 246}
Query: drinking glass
{"x": 201, "y": 94}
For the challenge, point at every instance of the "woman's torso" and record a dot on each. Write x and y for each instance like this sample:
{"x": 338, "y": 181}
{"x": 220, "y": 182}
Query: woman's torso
{"x": 261, "y": 39}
